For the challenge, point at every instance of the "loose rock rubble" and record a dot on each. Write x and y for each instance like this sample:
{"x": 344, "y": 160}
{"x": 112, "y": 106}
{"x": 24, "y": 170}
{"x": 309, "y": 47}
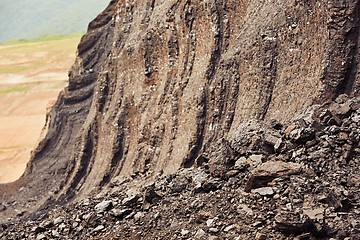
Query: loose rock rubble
{"x": 304, "y": 184}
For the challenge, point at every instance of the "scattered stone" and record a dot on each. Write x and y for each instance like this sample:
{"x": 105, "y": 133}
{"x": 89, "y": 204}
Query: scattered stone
{"x": 264, "y": 191}
{"x": 47, "y": 224}
{"x": 254, "y": 136}
{"x": 241, "y": 162}
{"x": 210, "y": 222}
{"x": 229, "y": 228}
{"x": 103, "y": 206}
{"x": 217, "y": 162}
{"x": 315, "y": 214}
{"x": 86, "y": 216}
{"x": 258, "y": 224}
{"x": 268, "y": 171}
{"x": 232, "y": 173}
{"x": 291, "y": 223}
{"x": 55, "y": 233}
{"x": 130, "y": 200}
{"x": 62, "y": 226}
{"x": 99, "y": 228}
{"x": 198, "y": 180}
{"x": 256, "y": 159}
{"x": 58, "y": 220}
{"x": 138, "y": 216}
{"x": 341, "y": 110}
{"x": 212, "y": 184}
{"x": 202, "y": 216}
{"x": 2, "y": 208}
{"x": 305, "y": 236}
{"x": 146, "y": 206}
{"x": 178, "y": 184}
{"x": 342, "y": 98}
{"x": 86, "y": 202}
{"x": 274, "y": 139}
{"x": 244, "y": 208}
{"x": 120, "y": 213}
{"x": 41, "y": 237}
{"x": 260, "y": 236}
{"x": 200, "y": 234}
{"x": 151, "y": 195}
{"x": 213, "y": 230}
{"x": 184, "y": 232}
{"x": 38, "y": 230}
{"x": 213, "y": 238}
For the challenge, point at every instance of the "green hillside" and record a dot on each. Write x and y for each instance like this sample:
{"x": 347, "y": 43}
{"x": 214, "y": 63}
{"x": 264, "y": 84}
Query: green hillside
{"x": 33, "y": 18}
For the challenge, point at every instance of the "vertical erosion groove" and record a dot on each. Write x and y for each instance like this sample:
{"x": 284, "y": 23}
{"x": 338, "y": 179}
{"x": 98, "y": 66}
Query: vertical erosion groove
{"x": 269, "y": 72}
{"x": 339, "y": 72}
{"x": 217, "y": 30}
{"x": 81, "y": 165}
{"x": 117, "y": 152}
{"x": 150, "y": 4}
{"x": 196, "y": 144}
{"x": 354, "y": 35}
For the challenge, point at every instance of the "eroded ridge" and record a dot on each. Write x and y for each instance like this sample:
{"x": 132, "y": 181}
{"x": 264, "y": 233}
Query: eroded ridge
{"x": 159, "y": 85}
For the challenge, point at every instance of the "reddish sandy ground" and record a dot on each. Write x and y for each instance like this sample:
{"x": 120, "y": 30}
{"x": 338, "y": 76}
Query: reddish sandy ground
{"x": 31, "y": 77}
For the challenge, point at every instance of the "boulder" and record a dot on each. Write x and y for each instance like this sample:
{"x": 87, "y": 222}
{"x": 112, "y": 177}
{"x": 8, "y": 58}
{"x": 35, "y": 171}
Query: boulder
{"x": 268, "y": 171}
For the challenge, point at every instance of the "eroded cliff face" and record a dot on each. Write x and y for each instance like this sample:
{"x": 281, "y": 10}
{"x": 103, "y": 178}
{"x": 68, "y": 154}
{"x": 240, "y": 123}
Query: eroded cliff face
{"x": 157, "y": 84}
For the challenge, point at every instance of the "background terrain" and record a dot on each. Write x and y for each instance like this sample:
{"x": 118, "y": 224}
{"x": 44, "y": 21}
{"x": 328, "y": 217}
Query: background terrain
{"x": 29, "y": 19}
{"x": 31, "y": 77}
{"x": 36, "y": 52}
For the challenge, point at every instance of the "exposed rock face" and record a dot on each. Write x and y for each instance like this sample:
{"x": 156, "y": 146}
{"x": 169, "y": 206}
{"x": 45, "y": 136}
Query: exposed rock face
{"x": 157, "y": 85}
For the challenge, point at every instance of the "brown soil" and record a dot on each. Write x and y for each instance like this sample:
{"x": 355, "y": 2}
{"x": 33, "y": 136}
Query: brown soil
{"x": 21, "y": 121}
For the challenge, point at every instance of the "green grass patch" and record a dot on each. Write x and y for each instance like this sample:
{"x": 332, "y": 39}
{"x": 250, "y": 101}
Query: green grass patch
{"x": 44, "y": 38}
{"x": 13, "y": 90}
{"x": 37, "y": 55}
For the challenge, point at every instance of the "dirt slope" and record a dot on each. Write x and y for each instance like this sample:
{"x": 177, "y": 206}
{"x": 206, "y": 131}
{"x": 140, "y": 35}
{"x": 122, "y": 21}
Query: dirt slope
{"x": 159, "y": 85}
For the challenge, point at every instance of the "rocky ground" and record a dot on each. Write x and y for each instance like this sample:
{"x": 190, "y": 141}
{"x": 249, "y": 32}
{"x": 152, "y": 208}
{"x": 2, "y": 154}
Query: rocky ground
{"x": 279, "y": 182}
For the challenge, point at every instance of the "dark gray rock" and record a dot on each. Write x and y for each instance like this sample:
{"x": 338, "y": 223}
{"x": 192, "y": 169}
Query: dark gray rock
{"x": 255, "y": 137}
{"x": 290, "y": 223}
{"x": 133, "y": 197}
{"x": 38, "y": 230}
{"x": 150, "y": 194}
{"x": 212, "y": 184}
{"x": 2, "y": 208}
{"x": 47, "y": 224}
